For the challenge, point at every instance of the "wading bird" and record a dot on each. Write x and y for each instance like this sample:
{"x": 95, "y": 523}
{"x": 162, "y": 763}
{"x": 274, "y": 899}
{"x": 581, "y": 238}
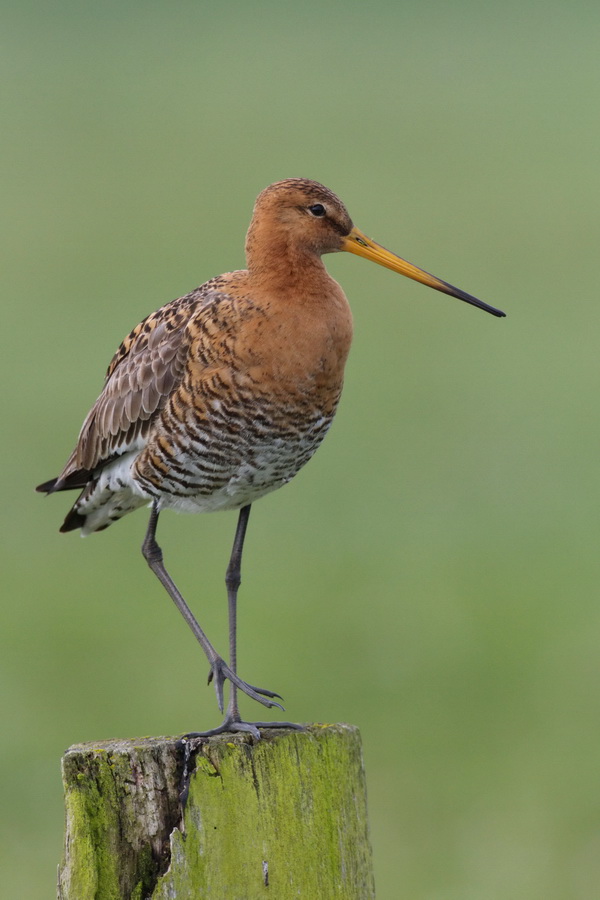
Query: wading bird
{"x": 223, "y": 395}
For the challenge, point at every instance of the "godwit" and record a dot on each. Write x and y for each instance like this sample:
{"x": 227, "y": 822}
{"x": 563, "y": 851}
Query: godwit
{"x": 221, "y": 396}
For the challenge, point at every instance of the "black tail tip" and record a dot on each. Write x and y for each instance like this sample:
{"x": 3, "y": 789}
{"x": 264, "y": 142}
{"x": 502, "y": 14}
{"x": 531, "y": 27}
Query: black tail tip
{"x": 73, "y": 521}
{"x": 48, "y": 487}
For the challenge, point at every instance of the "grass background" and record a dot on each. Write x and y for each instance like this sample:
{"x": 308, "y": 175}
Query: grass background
{"x": 432, "y": 575}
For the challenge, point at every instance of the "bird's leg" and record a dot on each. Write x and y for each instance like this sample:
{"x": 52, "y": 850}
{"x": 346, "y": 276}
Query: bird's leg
{"x": 219, "y": 670}
{"x": 233, "y": 578}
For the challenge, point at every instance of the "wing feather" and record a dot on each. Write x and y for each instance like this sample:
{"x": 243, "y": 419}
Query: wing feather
{"x": 141, "y": 376}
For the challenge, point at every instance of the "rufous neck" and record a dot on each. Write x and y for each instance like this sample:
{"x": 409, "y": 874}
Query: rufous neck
{"x": 271, "y": 255}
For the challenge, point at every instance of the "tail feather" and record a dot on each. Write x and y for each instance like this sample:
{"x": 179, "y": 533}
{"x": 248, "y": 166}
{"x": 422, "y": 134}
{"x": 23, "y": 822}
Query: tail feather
{"x": 75, "y": 481}
{"x": 48, "y": 487}
{"x": 106, "y": 495}
{"x": 73, "y": 521}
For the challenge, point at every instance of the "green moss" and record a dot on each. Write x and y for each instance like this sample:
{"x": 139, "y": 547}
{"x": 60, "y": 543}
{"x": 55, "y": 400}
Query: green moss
{"x": 282, "y": 818}
{"x": 109, "y": 854}
{"x": 92, "y": 819}
{"x": 286, "y": 818}
{"x": 205, "y": 766}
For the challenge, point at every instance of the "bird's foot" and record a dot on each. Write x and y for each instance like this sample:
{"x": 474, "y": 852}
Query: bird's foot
{"x": 219, "y": 671}
{"x": 232, "y": 723}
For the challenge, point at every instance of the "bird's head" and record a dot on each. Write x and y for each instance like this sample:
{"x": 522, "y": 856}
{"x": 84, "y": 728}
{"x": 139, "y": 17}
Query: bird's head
{"x": 302, "y": 217}
{"x": 307, "y": 215}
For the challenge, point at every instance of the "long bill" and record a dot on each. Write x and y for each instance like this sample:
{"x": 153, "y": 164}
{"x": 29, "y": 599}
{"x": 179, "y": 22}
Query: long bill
{"x": 359, "y": 243}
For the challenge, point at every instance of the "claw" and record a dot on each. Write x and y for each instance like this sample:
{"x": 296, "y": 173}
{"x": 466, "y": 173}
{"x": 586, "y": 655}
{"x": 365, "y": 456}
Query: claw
{"x": 219, "y": 671}
{"x": 266, "y": 693}
{"x": 220, "y": 678}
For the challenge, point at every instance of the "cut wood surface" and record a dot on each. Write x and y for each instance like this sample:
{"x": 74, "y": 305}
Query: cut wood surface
{"x": 279, "y": 818}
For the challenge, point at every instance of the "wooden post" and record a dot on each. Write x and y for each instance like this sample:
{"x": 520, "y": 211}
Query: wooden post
{"x": 284, "y": 817}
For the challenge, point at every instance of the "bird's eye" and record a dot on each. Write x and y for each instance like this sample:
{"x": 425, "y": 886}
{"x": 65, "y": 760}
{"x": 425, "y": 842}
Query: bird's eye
{"x": 317, "y": 210}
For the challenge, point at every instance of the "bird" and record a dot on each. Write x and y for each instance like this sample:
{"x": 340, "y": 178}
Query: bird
{"x": 221, "y": 396}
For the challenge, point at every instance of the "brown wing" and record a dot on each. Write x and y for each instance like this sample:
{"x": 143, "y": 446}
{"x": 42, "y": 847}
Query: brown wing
{"x": 142, "y": 374}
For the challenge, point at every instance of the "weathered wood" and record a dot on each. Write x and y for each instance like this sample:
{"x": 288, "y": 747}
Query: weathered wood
{"x": 284, "y": 817}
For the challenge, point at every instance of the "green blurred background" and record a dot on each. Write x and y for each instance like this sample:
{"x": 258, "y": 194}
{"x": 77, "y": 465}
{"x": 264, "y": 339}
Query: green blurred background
{"x": 432, "y": 575}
